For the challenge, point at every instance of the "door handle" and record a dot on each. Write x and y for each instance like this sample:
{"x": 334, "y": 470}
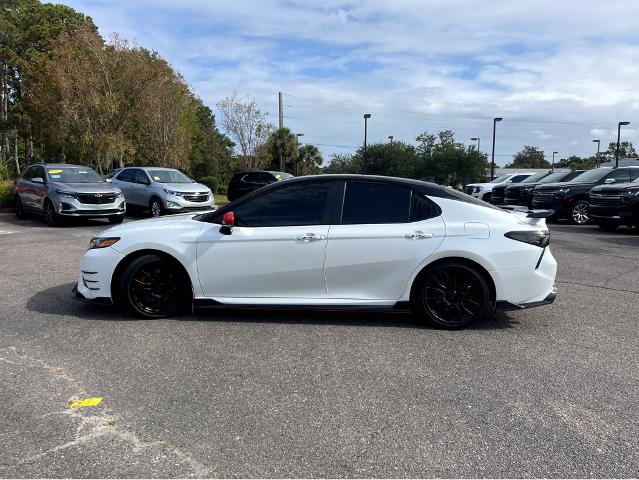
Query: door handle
{"x": 418, "y": 235}
{"x": 310, "y": 237}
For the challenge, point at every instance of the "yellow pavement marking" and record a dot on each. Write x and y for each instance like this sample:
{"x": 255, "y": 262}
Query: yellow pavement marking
{"x": 86, "y": 402}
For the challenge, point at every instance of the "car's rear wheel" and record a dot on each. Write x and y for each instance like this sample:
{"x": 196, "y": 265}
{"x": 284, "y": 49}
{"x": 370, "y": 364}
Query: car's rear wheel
{"x": 20, "y": 212}
{"x": 51, "y": 217}
{"x": 154, "y": 287}
{"x": 116, "y": 219}
{"x": 579, "y": 214}
{"x": 452, "y": 295}
{"x": 155, "y": 207}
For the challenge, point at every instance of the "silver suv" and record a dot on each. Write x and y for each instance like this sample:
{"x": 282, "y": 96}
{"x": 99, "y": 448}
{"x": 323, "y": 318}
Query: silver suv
{"x": 162, "y": 190}
{"x": 65, "y": 191}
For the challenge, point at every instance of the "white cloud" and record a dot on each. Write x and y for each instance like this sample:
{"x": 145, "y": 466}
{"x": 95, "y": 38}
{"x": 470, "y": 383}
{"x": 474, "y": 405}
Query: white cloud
{"x": 559, "y": 73}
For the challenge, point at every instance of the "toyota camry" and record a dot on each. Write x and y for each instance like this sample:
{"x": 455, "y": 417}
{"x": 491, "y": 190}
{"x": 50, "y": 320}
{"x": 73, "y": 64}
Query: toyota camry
{"x": 330, "y": 241}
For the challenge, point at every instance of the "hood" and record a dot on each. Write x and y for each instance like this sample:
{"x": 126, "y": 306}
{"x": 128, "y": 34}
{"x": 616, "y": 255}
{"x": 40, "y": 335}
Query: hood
{"x": 183, "y": 187}
{"x": 86, "y": 187}
{"x": 147, "y": 223}
{"x": 571, "y": 185}
{"x": 615, "y": 187}
{"x": 517, "y": 186}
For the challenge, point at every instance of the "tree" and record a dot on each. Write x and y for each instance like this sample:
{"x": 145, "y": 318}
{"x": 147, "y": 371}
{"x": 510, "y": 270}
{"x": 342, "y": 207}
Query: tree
{"x": 282, "y": 143}
{"x": 344, "y": 163}
{"x": 309, "y": 160}
{"x": 626, "y": 150}
{"x": 396, "y": 159}
{"x": 577, "y": 163}
{"x": 529, "y": 157}
{"x": 247, "y": 126}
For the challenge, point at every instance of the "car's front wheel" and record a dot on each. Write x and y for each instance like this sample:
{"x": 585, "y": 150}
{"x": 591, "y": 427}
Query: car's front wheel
{"x": 20, "y": 212}
{"x": 152, "y": 286}
{"x": 155, "y": 207}
{"x": 51, "y": 217}
{"x": 452, "y": 295}
{"x": 579, "y": 214}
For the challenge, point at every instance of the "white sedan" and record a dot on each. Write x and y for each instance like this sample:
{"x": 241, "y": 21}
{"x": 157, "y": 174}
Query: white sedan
{"x": 338, "y": 241}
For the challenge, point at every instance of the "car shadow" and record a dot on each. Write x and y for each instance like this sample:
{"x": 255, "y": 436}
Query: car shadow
{"x": 59, "y": 300}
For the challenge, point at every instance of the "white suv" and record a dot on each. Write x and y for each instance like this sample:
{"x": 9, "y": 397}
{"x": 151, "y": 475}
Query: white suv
{"x": 484, "y": 191}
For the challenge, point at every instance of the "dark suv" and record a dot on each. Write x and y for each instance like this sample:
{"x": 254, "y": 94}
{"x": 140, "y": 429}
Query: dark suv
{"x": 521, "y": 194}
{"x": 615, "y": 205}
{"x": 571, "y": 199}
{"x": 247, "y": 182}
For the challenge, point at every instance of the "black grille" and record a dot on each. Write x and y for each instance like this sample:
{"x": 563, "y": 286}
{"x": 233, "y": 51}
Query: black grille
{"x": 196, "y": 197}
{"x": 96, "y": 198}
{"x": 544, "y": 196}
{"x": 499, "y": 191}
{"x": 514, "y": 193}
{"x": 596, "y": 199}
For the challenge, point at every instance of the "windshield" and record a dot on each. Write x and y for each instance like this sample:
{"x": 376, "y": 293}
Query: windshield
{"x": 535, "y": 178}
{"x": 502, "y": 178}
{"x": 281, "y": 175}
{"x": 553, "y": 177}
{"x": 73, "y": 175}
{"x": 169, "y": 176}
{"x": 592, "y": 175}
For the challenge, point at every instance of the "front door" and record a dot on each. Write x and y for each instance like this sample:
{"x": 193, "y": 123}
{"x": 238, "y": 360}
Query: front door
{"x": 386, "y": 232}
{"x": 276, "y": 248}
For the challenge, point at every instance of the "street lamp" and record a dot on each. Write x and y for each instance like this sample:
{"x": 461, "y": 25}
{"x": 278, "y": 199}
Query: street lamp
{"x": 552, "y": 168}
{"x": 390, "y": 137}
{"x": 297, "y": 161}
{"x": 598, "y": 142}
{"x": 366, "y": 117}
{"x": 478, "y": 140}
{"x": 492, "y": 163}
{"x": 618, "y": 135}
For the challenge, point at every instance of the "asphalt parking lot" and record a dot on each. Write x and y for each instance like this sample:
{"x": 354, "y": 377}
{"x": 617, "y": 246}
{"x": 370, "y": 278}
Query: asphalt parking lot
{"x": 552, "y": 391}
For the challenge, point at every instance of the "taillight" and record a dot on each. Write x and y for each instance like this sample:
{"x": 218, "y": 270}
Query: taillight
{"x": 537, "y": 238}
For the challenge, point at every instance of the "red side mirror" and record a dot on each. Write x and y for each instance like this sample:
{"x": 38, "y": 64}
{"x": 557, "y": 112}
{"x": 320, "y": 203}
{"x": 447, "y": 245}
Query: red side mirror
{"x": 228, "y": 218}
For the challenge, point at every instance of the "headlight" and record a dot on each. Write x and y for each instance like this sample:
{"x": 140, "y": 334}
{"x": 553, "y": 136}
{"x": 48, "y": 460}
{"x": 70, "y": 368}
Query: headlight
{"x": 102, "y": 242}
{"x": 631, "y": 195}
{"x": 476, "y": 189}
{"x": 172, "y": 192}
{"x": 119, "y": 194}
{"x": 562, "y": 192}
{"x": 64, "y": 193}
{"x": 527, "y": 191}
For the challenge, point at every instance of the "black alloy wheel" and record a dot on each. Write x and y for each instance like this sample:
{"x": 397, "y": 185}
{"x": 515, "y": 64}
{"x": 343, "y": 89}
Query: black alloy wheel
{"x": 579, "y": 214}
{"x": 155, "y": 207}
{"x": 20, "y": 213}
{"x": 51, "y": 217}
{"x": 453, "y": 295}
{"x": 155, "y": 287}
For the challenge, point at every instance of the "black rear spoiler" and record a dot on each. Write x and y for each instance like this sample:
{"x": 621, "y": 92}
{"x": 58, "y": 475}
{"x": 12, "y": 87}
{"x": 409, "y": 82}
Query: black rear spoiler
{"x": 530, "y": 213}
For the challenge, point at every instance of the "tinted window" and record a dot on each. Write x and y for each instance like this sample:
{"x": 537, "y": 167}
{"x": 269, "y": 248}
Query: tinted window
{"x": 518, "y": 178}
{"x": 28, "y": 173}
{"x": 125, "y": 176}
{"x": 570, "y": 176}
{"x": 592, "y": 175}
{"x": 634, "y": 173}
{"x": 620, "y": 176}
{"x": 265, "y": 177}
{"x": 140, "y": 177}
{"x": 535, "y": 177}
{"x": 421, "y": 208}
{"x": 367, "y": 202}
{"x": 295, "y": 205}
{"x": 34, "y": 172}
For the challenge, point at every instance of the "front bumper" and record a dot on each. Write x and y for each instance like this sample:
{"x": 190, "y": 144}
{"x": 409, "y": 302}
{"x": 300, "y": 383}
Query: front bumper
{"x": 71, "y": 207}
{"x": 518, "y": 202}
{"x": 625, "y": 213}
{"x": 180, "y": 205}
{"x": 508, "y": 306}
{"x": 96, "y": 271}
{"x": 558, "y": 205}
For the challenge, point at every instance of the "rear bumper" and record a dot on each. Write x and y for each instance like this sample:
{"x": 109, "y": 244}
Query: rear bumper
{"x": 508, "y": 306}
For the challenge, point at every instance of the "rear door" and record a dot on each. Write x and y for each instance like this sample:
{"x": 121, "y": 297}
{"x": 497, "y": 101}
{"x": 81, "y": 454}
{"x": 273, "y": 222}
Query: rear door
{"x": 385, "y": 233}
{"x": 125, "y": 182}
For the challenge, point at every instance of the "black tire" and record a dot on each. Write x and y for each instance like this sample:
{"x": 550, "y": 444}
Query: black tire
{"x": 21, "y": 214}
{"x": 451, "y": 295}
{"x": 155, "y": 287}
{"x": 579, "y": 213}
{"x": 51, "y": 217}
{"x": 608, "y": 226}
{"x": 155, "y": 207}
{"x": 116, "y": 219}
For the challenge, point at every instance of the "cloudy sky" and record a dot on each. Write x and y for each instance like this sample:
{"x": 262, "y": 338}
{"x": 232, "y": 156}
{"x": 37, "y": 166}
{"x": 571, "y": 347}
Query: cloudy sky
{"x": 560, "y": 73}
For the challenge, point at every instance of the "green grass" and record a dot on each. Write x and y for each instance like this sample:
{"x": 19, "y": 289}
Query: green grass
{"x": 6, "y": 194}
{"x": 221, "y": 200}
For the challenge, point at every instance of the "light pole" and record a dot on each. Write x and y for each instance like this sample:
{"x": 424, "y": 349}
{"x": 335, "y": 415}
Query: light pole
{"x": 478, "y": 140}
{"x": 366, "y": 117}
{"x": 492, "y": 162}
{"x": 552, "y": 168}
{"x": 390, "y": 138}
{"x": 297, "y": 161}
{"x": 619, "y": 135}
{"x": 598, "y": 142}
